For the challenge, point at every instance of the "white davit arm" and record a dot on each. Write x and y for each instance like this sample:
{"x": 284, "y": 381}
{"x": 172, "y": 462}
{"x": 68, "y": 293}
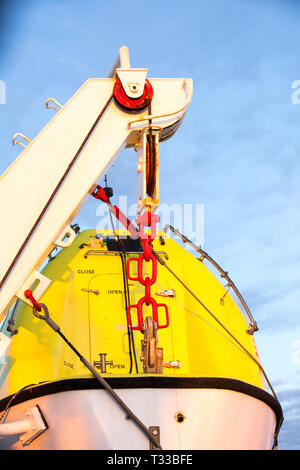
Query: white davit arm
{"x": 42, "y": 191}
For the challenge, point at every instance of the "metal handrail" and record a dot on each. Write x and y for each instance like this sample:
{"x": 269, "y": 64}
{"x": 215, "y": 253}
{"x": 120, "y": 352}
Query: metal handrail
{"x": 104, "y": 252}
{"x": 174, "y": 113}
{"x": 224, "y": 274}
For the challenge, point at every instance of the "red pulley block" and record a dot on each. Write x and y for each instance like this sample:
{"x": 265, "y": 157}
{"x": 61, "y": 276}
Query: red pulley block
{"x": 134, "y": 104}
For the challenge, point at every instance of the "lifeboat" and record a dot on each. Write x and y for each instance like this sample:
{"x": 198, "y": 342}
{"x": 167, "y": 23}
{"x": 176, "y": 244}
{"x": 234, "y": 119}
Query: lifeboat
{"x": 121, "y": 338}
{"x": 194, "y": 385}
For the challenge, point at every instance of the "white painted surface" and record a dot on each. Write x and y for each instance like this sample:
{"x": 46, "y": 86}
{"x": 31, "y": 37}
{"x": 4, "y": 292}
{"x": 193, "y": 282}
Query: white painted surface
{"x": 90, "y": 419}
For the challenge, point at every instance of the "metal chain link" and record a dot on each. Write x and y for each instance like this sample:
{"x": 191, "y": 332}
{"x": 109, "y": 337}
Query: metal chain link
{"x": 147, "y": 219}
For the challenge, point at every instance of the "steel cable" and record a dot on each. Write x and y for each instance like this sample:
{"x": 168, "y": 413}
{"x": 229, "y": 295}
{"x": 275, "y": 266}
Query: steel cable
{"x": 97, "y": 376}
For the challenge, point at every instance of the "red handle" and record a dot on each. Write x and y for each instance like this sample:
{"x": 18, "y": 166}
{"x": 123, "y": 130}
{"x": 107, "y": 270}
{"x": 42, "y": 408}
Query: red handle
{"x": 29, "y": 295}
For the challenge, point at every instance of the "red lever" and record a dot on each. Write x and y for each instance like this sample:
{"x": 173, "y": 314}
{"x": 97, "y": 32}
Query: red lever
{"x": 124, "y": 221}
{"x": 100, "y": 193}
{"x": 28, "y": 294}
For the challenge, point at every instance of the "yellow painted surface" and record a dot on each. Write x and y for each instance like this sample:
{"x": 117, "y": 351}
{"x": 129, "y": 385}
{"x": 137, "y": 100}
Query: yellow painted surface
{"x": 97, "y": 323}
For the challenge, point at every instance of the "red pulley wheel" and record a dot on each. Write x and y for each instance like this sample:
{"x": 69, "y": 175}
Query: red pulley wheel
{"x": 133, "y": 103}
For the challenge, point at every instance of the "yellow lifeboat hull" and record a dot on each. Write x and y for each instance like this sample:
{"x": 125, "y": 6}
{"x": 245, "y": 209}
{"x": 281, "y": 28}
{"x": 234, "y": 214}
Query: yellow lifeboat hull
{"x": 216, "y": 388}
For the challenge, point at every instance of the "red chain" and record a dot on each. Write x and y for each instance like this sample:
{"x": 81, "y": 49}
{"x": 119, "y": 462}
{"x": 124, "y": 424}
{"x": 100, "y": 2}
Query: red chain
{"x": 147, "y": 219}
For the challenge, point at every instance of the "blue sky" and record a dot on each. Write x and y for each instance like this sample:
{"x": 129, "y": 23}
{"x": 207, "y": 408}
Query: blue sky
{"x": 237, "y": 151}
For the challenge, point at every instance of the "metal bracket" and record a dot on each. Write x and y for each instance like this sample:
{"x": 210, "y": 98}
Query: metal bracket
{"x": 133, "y": 81}
{"x": 38, "y": 425}
{"x": 38, "y": 291}
{"x": 15, "y": 142}
{"x": 166, "y": 293}
{"x": 172, "y": 364}
{"x": 92, "y": 291}
{"x": 155, "y": 431}
{"x": 48, "y": 106}
{"x": 66, "y": 237}
{"x": 152, "y": 356}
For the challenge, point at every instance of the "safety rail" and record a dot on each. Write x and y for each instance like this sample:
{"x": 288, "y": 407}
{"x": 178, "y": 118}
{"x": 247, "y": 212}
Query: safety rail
{"x": 115, "y": 253}
{"x": 224, "y": 274}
